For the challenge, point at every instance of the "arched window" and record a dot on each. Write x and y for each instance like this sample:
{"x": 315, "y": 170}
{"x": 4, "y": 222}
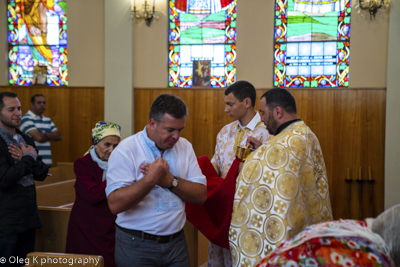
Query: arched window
{"x": 202, "y": 43}
{"x": 37, "y": 42}
{"x": 312, "y": 43}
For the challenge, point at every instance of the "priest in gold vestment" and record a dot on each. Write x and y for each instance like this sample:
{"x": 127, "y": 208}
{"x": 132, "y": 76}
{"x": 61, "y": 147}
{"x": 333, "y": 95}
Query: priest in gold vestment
{"x": 282, "y": 187}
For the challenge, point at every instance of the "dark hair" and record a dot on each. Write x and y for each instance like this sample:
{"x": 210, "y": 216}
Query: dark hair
{"x": 6, "y": 94}
{"x": 242, "y": 90}
{"x": 279, "y": 97}
{"x": 167, "y": 103}
{"x": 33, "y": 98}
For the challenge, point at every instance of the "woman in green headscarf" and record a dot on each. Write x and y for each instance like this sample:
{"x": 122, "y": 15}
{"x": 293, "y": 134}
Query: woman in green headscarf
{"x": 91, "y": 228}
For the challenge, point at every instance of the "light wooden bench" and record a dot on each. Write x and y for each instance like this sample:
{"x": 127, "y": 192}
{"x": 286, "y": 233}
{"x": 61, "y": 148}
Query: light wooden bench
{"x": 55, "y": 201}
{"x": 56, "y": 194}
{"x": 62, "y": 172}
{"x": 52, "y": 237}
{"x": 45, "y": 259}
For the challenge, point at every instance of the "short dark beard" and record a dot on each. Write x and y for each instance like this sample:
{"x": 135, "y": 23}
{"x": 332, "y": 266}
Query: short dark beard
{"x": 272, "y": 125}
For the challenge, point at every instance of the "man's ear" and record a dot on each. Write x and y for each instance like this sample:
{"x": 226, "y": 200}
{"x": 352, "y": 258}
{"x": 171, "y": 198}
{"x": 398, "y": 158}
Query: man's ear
{"x": 247, "y": 102}
{"x": 152, "y": 123}
{"x": 279, "y": 112}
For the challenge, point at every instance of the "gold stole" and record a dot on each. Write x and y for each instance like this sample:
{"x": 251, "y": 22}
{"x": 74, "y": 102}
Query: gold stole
{"x": 240, "y": 135}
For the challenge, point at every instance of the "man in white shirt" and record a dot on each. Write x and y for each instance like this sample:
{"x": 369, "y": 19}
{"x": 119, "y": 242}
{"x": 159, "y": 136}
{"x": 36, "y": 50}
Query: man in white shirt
{"x": 239, "y": 100}
{"x": 150, "y": 207}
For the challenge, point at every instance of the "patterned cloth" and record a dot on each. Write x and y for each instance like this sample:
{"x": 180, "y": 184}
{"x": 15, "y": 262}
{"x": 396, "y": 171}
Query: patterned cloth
{"x": 281, "y": 189}
{"x": 43, "y": 124}
{"x": 228, "y": 138}
{"x": 335, "y": 243}
{"x": 103, "y": 129}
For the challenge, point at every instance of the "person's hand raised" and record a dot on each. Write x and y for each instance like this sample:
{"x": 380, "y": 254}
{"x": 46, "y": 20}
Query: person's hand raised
{"x": 16, "y": 152}
{"x": 144, "y": 168}
{"x": 28, "y": 149}
{"x": 253, "y": 142}
{"x": 158, "y": 169}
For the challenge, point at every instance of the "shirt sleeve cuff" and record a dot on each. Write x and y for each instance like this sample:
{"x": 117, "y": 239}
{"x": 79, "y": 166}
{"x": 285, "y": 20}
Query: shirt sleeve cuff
{"x": 112, "y": 188}
{"x": 29, "y": 154}
{"x": 199, "y": 181}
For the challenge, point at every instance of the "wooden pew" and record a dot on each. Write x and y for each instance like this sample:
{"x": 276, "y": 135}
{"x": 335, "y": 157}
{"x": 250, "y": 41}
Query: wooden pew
{"x": 55, "y": 201}
{"x": 56, "y": 194}
{"x": 62, "y": 172}
{"x": 67, "y": 170}
{"x": 54, "y": 176}
{"x": 52, "y": 237}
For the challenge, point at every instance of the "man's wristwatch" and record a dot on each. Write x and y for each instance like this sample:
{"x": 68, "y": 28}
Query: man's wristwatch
{"x": 174, "y": 183}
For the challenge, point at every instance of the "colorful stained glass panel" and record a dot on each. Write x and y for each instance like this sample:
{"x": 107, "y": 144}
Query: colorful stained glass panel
{"x": 37, "y": 41}
{"x": 202, "y": 31}
{"x": 312, "y": 43}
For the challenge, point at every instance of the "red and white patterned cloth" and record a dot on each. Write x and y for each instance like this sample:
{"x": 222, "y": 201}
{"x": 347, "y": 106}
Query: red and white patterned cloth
{"x": 335, "y": 243}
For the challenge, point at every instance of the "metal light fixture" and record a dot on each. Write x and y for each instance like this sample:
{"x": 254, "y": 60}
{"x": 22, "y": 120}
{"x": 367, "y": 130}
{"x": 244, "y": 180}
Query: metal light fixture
{"x": 373, "y": 6}
{"x": 147, "y": 13}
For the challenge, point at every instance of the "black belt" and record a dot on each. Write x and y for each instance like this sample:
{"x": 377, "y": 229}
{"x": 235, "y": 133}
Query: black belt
{"x": 157, "y": 238}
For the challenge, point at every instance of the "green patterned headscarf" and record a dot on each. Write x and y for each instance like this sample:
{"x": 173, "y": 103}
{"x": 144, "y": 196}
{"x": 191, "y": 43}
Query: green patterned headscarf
{"x": 103, "y": 129}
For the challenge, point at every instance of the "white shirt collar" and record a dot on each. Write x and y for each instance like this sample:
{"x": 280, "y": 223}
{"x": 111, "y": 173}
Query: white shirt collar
{"x": 34, "y": 115}
{"x": 253, "y": 123}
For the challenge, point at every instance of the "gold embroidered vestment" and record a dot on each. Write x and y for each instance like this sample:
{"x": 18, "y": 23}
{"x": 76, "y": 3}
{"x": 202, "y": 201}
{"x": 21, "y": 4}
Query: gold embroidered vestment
{"x": 282, "y": 188}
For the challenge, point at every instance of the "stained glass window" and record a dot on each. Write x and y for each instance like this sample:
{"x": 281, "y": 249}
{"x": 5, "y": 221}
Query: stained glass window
{"x": 37, "y": 42}
{"x": 312, "y": 43}
{"x": 202, "y": 31}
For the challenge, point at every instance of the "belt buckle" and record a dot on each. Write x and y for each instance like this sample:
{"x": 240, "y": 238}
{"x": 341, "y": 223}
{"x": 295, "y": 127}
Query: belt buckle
{"x": 158, "y": 239}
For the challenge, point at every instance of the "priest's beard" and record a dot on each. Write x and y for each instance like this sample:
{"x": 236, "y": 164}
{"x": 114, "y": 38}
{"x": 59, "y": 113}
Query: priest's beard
{"x": 271, "y": 124}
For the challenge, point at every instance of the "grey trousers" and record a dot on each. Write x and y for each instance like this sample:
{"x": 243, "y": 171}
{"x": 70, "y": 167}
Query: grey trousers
{"x": 134, "y": 251}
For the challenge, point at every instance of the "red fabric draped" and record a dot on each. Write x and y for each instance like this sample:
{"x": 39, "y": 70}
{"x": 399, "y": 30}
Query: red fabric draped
{"x": 213, "y": 218}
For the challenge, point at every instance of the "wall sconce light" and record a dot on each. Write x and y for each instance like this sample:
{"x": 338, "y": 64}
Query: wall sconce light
{"x": 146, "y": 13}
{"x": 373, "y": 6}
